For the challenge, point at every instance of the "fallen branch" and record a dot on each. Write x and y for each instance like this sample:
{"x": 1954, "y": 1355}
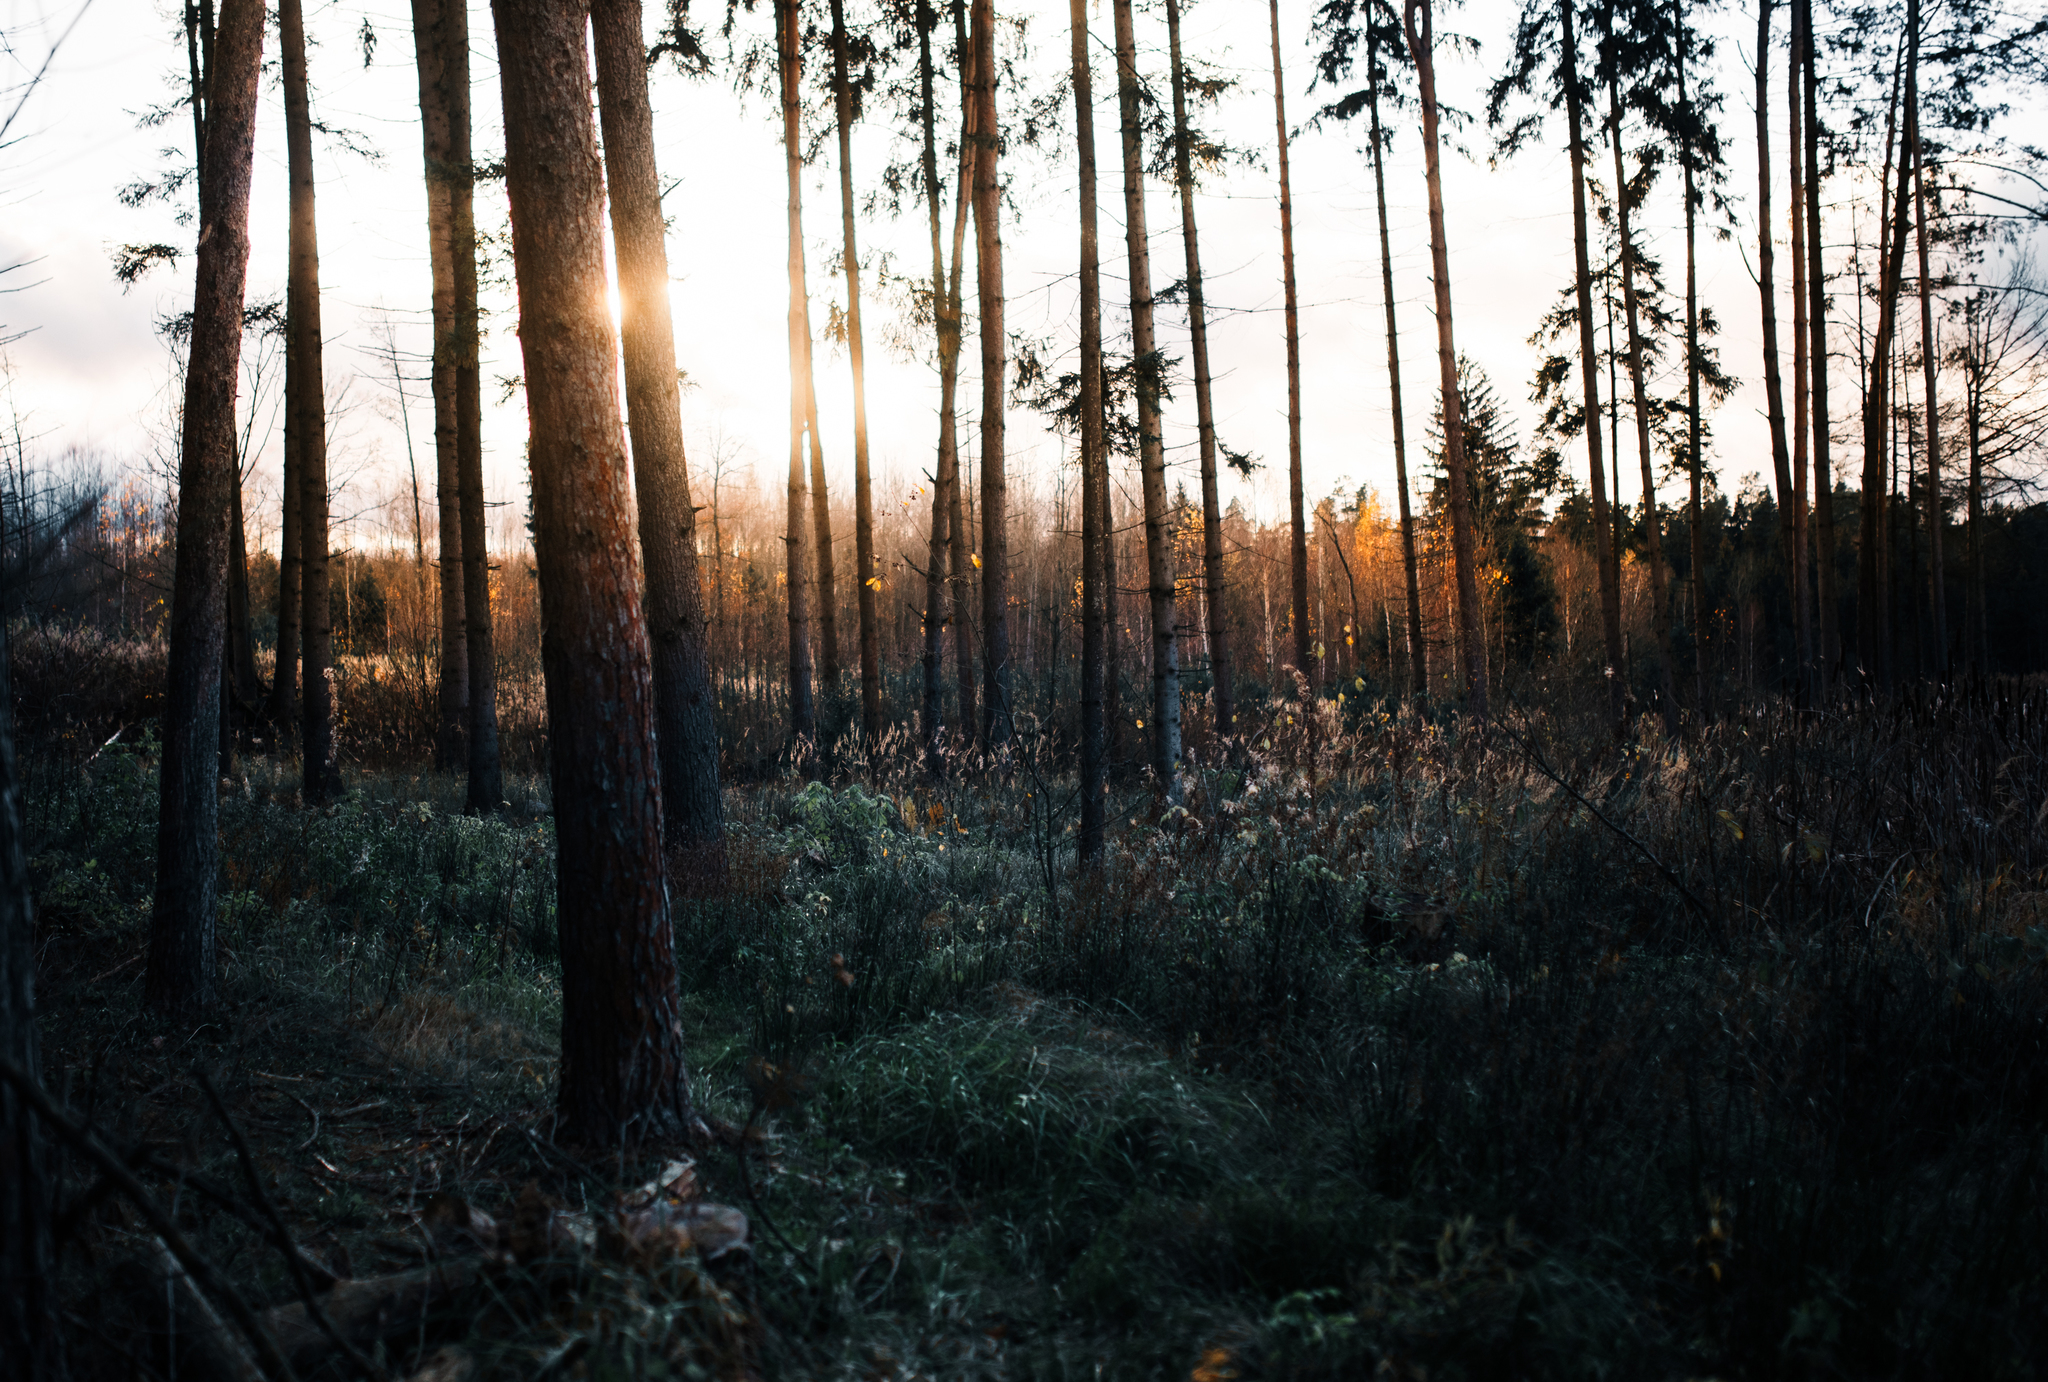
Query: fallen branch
{"x": 307, "y": 1295}
{"x": 202, "y": 1272}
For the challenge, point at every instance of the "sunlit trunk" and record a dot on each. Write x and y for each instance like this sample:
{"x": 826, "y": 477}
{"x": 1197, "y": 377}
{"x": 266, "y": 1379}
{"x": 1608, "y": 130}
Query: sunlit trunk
{"x": 1419, "y": 27}
{"x": 1297, "y": 504}
{"x": 622, "y": 1038}
{"x": 686, "y": 730}
{"x": 996, "y": 673}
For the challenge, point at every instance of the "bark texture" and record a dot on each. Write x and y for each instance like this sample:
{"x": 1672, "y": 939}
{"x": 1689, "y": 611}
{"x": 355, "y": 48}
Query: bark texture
{"x": 803, "y": 715}
{"x": 306, "y": 396}
{"x": 1297, "y": 505}
{"x": 988, "y": 264}
{"x": 1094, "y": 460}
{"x": 1159, "y": 555}
{"x": 1205, "y": 413}
{"x": 486, "y": 788}
{"x": 451, "y": 701}
{"x": 1767, "y": 287}
{"x": 686, "y": 731}
{"x": 622, "y": 1054}
{"x": 866, "y": 577}
{"x": 1418, "y": 650}
{"x": 182, "y": 966}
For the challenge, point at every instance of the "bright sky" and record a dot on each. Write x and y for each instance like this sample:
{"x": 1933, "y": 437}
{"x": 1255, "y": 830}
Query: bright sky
{"x": 95, "y": 374}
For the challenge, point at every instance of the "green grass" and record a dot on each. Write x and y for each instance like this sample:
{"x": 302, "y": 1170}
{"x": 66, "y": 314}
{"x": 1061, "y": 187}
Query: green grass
{"x": 1387, "y": 1056}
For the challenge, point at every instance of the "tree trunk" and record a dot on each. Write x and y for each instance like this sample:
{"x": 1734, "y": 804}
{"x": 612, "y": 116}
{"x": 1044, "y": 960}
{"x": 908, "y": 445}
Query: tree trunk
{"x": 959, "y": 566}
{"x": 306, "y": 397}
{"x": 1802, "y": 592}
{"x": 942, "y": 605}
{"x": 283, "y": 709}
{"x": 1094, "y": 461}
{"x": 182, "y": 951}
{"x": 1873, "y": 614}
{"x": 430, "y": 43}
{"x": 622, "y": 1042}
{"x": 1160, "y": 564}
{"x": 1607, "y": 557}
{"x": 1653, "y": 523}
{"x": 686, "y": 729}
{"x": 1829, "y": 650}
{"x": 866, "y": 576}
{"x": 1418, "y": 653}
{"x": 997, "y": 678}
{"x": 241, "y": 638}
{"x": 486, "y": 780}
{"x": 803, "y": 718}
{"x": 1695, "y": 440}
{"x": 1220, "y": 668}
{"x": 1979, "y": 650}
{"x": 1937, "y": 586}
{"x": 1767, "y": 286}
{"x": 1419, "y": 26}
{"x": 28, "y": 1294}
{"x": 1296, "y": 502}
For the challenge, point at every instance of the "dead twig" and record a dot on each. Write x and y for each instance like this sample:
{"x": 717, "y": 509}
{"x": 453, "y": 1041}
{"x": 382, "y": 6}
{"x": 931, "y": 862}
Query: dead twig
{"x": 203, "y": 1272}
{"x": 356, "y": 1356}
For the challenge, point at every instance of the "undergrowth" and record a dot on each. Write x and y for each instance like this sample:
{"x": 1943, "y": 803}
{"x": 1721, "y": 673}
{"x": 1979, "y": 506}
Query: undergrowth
{"x": 1396, "y": 1047}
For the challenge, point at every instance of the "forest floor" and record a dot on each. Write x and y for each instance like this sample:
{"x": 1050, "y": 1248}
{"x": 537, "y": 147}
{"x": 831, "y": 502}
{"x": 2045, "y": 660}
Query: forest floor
{"x": 1396, "y": 1051}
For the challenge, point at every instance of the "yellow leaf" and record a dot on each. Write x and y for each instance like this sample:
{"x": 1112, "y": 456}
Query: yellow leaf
{"x": 874, "y": 583}
{"x": 975, "y": 557}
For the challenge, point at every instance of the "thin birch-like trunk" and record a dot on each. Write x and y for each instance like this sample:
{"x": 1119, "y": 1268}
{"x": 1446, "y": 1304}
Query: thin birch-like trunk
{"x": 1418, "y": 25}
{"x": 1159, "y": 555}
{"x": 1297, "y": 504}
{"x": 996, "y": 673}
{"x": 1094, "y": 463}
{"x": 1205, "y": 413}
{"x": 803, "y": 718}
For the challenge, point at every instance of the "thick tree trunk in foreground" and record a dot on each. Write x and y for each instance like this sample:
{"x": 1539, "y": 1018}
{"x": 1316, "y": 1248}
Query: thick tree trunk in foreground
{"x": 1695, "y": 438}
{"x": 803, "y": 716}
{"x": 451, "y": 704}
{"x": 997, "y": 708}
{"x": 182, "y": 963}
{"x": 1160, "y": 564}
{"x": 686, "y": 733}
{"x": 1828, "y": 650}
{"x": 1205, "y": 414}
{"x": 486, "y": 778}
{"x": 1418, "y": 25}
{"x": 866, "y": 576}
{"x": 1653, "y": 521}
{"x": 28, "y": 1287}
{"x": 1297, "y": 505}
{"x": 622, "y": 1049}
{"x": 1606, "y": 556}
{"x": 1094, "y": 460}
{"x": 1418, "y": 652}
{"x": 306, "y": 397}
